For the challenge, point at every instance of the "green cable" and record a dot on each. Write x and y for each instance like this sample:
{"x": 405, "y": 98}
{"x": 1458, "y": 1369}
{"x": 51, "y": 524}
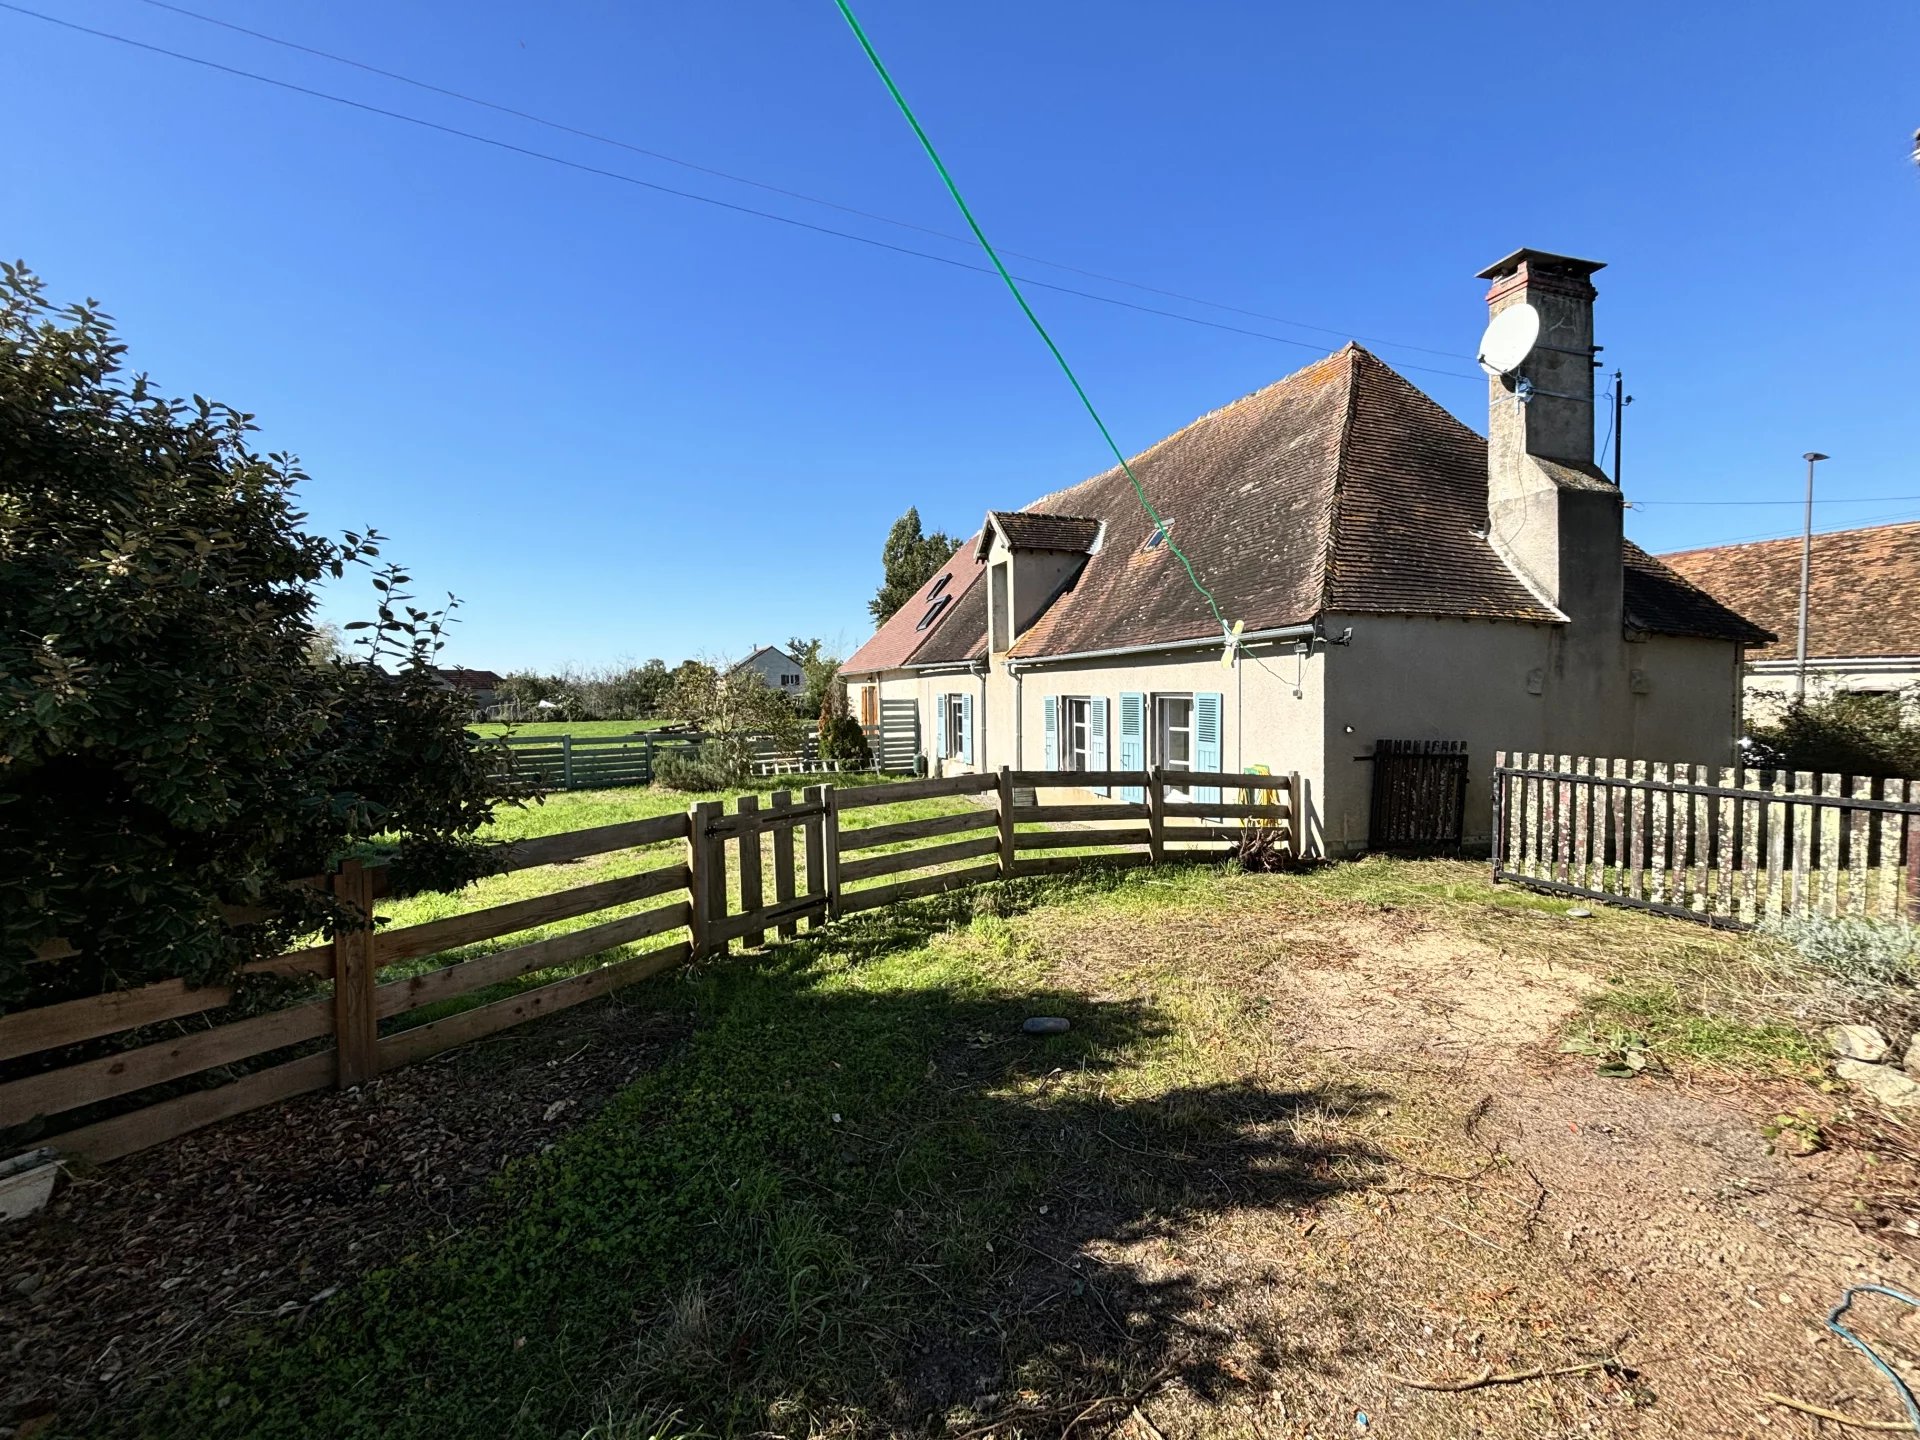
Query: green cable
{"x": 1027, "y": 310}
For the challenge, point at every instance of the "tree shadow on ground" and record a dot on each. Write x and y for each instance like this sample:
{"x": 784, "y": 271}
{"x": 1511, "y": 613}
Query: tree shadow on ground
{"x": 857, "y": 1200}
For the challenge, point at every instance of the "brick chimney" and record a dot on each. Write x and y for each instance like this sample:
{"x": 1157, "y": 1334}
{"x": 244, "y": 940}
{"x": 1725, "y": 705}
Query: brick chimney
{"x": 1551, "y": 513}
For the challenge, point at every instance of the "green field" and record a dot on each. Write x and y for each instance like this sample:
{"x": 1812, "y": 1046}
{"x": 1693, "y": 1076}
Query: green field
{"x": 577, "y": 728}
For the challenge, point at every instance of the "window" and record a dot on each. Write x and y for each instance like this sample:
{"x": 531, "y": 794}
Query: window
{"x": 1173, "y": 734}
{"x": 1159, "y": 535}
{"x": 1076, "y": 734}
{"x": 790, "y": 680}
{"x": 954, "y": 723}
{"x": 938, "y": 586}
{"x": 934, "y": 611}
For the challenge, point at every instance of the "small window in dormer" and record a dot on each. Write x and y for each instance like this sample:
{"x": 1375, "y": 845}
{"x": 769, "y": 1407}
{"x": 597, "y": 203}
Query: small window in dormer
{"x": 1159, "y": 535}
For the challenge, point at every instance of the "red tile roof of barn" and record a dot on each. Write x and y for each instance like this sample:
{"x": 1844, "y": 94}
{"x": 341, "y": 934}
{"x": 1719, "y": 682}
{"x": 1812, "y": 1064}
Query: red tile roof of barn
{"x": 1863, "y": 595}
{"x": 1037, "y": 530}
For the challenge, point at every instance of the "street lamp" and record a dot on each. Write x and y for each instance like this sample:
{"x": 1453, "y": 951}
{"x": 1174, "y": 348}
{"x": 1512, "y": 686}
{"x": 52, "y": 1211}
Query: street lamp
{"x": 1813, "y": 458}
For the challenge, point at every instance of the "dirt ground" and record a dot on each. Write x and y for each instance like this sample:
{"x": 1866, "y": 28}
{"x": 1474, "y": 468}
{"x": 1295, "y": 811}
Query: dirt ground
{"x": 270, "y": 1214}
{"x": 1441, "y": 1207}
{"x": 1510, "y": 1211}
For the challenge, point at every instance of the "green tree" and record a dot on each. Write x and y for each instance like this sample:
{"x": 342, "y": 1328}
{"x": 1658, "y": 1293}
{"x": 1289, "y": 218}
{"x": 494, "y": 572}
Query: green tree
{"x": 1843, "y": 734}
{"x": 908, "y": 560}
{"x": 169, "y": 741}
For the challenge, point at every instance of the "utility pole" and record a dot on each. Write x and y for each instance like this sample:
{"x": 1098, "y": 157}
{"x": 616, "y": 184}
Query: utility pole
{"x": 1620, "y": 402}
{"x": 1812, "y": 457}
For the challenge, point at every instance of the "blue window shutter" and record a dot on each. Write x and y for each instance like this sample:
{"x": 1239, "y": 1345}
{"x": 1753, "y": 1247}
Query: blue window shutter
{"x": 966, "y": 729}
{"x": 1097, "y": 737}
{"x": 1133, "y": 741}
{"x": 1206, "y": 743}
{"x": 1050, "y": 710}
{"x": 939, "y": 727}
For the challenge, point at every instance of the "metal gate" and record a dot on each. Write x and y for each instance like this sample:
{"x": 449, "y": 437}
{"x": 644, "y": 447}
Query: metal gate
{"x": 1419, "y": 796}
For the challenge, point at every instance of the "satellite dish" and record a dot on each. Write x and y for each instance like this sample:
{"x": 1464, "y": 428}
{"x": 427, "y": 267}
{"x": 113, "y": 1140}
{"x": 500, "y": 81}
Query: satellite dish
{"x": 1510, "y": 338}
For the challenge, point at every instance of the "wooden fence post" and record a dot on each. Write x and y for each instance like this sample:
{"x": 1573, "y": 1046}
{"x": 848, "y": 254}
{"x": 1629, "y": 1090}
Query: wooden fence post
{"x": 646, "y": 762}
{"x": 831, "y": 849}
{"x": 1913, "y": 868}
{"x": 782, "y": 861}
{"x": 566, "y": 762}
{"x": 356, "y": 1024}
{"x": 1156, "y": 797}
{"x": 752, "y": 896}
{"x": 1296, "y": 818}
{"x": 815, "y": 796}
{"x": 1005, "y": 808}
{"x": 702, "y": 881}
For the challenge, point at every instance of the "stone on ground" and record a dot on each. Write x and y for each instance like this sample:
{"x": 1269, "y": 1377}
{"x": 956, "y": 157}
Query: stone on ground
{"x": 1882, "y": 1082}
{"x": 1857, "y": 1042}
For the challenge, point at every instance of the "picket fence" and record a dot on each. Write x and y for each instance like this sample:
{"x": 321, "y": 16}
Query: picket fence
{"x": 1728, "y": 846}
{"x": 739, "y": 874}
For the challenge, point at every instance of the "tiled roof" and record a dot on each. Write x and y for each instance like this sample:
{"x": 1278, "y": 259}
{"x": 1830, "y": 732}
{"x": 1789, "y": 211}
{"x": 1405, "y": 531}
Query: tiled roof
{"x": 1863, "y": 596}
{"x": 1341, "y": 487}
{"x": 897, "y": 643}
{"x": 1665, "y": 602}
{"x": 461, "y": 678}
{"x": 1038, "y": 530}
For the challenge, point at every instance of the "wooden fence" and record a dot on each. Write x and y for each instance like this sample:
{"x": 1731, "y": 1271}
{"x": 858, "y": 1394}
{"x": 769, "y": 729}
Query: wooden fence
{"x": 589, "y": 762}
{"x": 1419, "y": 802}
{"x": 738, "y": 874}
{"x": 1722, "y": 845}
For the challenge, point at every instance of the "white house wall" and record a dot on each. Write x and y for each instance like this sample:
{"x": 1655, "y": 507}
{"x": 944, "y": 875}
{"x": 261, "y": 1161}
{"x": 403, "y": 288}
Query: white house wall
{"x": 1261, "y": 723}
{"x": 1771, "y": 683}
{"x": 1500, "y": 685}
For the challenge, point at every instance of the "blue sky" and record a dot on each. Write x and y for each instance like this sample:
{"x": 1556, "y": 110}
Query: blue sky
{"x": 621, "y": 424}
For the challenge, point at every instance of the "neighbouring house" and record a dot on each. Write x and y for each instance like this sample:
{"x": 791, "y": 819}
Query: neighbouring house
{"x": 480, "y": 687}
{"x": 776, "y": 669}
{"x": 1398, "y": 577}
{"x": 1863, "y": 610}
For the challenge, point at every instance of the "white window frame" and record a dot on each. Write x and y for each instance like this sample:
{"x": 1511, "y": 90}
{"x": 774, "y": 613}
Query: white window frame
{"x": 1158, "y": 734}
{"x": 1076, "y": 715}
{"x": 952, "y": 718}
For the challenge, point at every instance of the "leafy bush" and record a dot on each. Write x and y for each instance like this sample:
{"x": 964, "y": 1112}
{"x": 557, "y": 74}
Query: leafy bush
{"x": 842, "y": 740}
{"x": 698, "y": 767}
{"x": 173, "y": 735}
{"x": 1842, "y": 734}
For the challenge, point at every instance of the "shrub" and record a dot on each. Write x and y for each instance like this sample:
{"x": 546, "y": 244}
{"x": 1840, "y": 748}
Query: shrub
{"x": 1842, "y": 734}
{"x": 843, "y": 741}
{"x": 172, "y": 736}
{"x": 1858, "y": 954}
{"x": 711, "y": 766}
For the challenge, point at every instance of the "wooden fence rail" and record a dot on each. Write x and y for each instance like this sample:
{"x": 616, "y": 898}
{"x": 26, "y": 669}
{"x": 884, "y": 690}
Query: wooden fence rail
{"x": 1717, "y": 844}
{"x": 590, "y": 762}
{"x": 740, "y": 874}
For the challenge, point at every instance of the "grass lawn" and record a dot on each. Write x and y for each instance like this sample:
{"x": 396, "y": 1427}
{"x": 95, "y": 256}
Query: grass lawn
{"x": 565, "y": 727}
{"x": 1306, "y": 1132}
{"x": 578, "y": 810}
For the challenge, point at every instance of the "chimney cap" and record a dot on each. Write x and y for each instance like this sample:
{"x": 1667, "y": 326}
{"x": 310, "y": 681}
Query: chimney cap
{"x": 1506, "y": 265}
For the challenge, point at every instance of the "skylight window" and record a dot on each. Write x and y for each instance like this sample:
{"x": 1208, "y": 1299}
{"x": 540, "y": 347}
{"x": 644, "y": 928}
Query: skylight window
{"x": 938, "y": 586}
{"x": 934, "y": 611}
{"x": 1159, "y": 535}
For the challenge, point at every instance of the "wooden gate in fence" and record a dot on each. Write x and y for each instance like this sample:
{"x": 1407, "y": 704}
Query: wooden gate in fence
{"x": 1419, "y": 796}
{"x": 1722, "y": 845}
{"x": 103, "y": 1075}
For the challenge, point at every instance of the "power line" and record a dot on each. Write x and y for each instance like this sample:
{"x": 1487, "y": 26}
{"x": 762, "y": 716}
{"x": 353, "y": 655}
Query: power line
{"x": 661, "y": 155}
{"x": 1820, "y": 500}
{"x": 653, "y": 185}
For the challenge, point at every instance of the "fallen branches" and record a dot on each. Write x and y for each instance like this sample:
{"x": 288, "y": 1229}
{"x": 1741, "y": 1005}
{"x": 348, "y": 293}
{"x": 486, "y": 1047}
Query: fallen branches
{"x": 1774, "y": 1398}
{"x": 1512, "y": 1377}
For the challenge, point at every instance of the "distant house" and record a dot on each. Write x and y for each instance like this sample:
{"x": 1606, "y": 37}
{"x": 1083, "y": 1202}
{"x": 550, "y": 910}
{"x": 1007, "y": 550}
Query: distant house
{"x": 777, "y": 670}
{"x": 1863, "y": 610}
{"x": 480, "y": 687}
{"x": 1398, "y": 577}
